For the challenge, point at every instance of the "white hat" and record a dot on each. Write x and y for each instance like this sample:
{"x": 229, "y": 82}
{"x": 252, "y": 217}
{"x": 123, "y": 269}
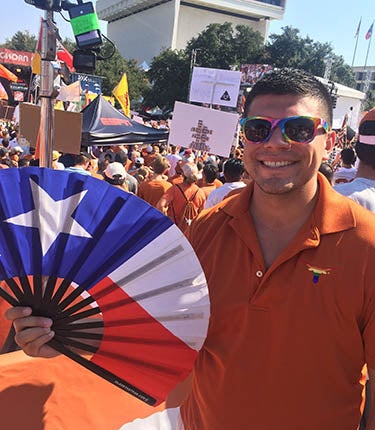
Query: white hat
{"x": 115, "y": 170}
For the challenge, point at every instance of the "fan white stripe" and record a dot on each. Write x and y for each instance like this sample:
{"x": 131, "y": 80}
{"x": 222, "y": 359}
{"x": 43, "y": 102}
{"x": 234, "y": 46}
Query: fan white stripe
{"x": 166, "y": 279}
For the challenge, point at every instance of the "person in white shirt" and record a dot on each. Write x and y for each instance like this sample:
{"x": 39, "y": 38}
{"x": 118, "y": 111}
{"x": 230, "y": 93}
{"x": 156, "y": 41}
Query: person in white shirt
{"x": 362, "y": 188}
{"x": 233, "y": 170}
{"x": 173, "y": 159}
{"x": 347, "y": 171}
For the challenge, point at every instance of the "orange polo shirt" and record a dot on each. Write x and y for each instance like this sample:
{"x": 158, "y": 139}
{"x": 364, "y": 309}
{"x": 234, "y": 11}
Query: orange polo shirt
{"x": 286, "y": 345}
{"x": 152, "y": 191}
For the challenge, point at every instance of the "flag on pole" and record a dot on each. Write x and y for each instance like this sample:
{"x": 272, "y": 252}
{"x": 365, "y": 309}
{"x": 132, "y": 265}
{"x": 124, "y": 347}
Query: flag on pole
{"x": 35, "y": 62}
{"x": 343, "y": 132}
{"x": 64, "y": 55}
{"x": 121, "y": 92}
{"x": 358, "y": 28}
{"x": 369, "y": 32}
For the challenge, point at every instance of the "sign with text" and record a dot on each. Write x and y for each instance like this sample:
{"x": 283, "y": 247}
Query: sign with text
{"x": 20, "y": 58}
{"x": 215, "y": 86}
{"x": 203, "y": 129}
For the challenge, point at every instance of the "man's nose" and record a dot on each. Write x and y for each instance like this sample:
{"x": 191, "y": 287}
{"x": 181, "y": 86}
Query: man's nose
{"x": 277, "y": 140}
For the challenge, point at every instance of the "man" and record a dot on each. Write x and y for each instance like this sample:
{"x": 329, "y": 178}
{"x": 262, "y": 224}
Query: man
{"x": 15, "y": 155}
{"x": 233, "y": 170}
{"x": 347, "y": 171}
{"x": 152, "y": 191}
{"x": 173, "y": 157}
{"x": 362, "y": 188}
{"x": 292, "y": 302}
{"x": 183, "y": 201}
{"x": 209, "y": 181}
{"x": 81, "y": 164}
{"x": 131, "y": 183}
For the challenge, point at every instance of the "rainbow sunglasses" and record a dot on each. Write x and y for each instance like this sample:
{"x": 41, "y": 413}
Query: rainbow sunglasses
{"x": 295, "y": 129}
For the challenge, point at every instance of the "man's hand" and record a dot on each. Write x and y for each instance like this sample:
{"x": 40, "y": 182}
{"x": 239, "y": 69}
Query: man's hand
{"x": 32, "y": 333}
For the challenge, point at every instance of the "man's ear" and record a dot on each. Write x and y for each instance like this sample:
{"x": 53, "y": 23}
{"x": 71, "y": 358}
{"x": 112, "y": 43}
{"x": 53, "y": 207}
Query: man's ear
{"x": 330, "y": 143}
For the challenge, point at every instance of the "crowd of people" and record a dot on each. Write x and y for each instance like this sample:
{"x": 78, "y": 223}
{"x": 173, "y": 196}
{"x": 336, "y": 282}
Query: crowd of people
{"x": 290, "y": 264}
{"x": 167, "y": 177}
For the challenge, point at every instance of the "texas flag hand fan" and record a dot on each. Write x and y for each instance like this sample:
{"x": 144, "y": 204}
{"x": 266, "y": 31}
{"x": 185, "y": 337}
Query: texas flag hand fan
{"x": 126, "y": 293}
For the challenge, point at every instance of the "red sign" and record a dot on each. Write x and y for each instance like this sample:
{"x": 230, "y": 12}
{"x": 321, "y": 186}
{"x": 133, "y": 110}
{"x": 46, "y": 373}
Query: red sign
{"x": 115, "y": 121}
{"x": 21, "y": 58}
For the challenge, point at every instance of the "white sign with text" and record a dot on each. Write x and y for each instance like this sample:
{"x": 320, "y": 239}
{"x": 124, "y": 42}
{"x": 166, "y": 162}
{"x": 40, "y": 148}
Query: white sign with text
{"x": 203, "y": 129}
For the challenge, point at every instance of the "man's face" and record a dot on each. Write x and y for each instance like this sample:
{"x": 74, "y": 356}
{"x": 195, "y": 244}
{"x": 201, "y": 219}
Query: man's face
{"x": 276, "y": 166}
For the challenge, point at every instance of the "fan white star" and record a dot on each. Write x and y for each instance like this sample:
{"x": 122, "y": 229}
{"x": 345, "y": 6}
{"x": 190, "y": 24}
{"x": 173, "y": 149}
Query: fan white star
{"x": 51, "y": 217}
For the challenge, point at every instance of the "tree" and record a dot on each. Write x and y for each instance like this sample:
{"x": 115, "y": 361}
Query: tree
{"x": 21, "y": 41}
{"x": 218, "y": 46}
{"x": 169, "y": 75}
{"x": 291, "y": 50}
{"x": 114, "y": 66}
{"x": 223, "y": 47}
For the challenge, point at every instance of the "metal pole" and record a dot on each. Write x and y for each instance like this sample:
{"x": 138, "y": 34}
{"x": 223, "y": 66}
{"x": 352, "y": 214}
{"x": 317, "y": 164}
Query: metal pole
{"x": 46, "y": 92}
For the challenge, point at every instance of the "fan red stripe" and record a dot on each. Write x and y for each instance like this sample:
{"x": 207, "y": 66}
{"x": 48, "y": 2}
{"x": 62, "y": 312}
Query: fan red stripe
{"x": 153, "y": 367}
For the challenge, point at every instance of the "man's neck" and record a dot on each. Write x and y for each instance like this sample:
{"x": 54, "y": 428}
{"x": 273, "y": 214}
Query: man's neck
{"x": 365, "y": 171}
{"x": 278, "y": 218}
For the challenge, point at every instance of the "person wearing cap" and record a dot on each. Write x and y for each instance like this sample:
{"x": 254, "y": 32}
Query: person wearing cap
{"x": 132, "y": 184}
{"x": 15, "y": 154}
{"x": 115, "y": 174}
{"x": 188, "y": 156}
{"x": 362, "y": 188}
{"x": 173, "y": 202}
{"x": 81, "y": 164}
{"x": 151, "y": 191}
{"x": 55, "y": 161}
{"x": 148, "y": 155}
{"x": 290, "y": 268}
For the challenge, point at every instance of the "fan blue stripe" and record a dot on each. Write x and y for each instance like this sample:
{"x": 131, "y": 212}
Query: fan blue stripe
{"x": 120, "y": 224}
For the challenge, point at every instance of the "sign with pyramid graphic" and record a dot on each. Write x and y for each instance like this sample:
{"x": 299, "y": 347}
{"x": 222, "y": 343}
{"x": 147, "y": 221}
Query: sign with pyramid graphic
{"x": 215, "y": 86}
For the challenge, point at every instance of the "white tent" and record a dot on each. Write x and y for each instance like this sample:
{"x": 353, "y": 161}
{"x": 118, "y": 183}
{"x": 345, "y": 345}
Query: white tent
{"x": 349, "y": 101}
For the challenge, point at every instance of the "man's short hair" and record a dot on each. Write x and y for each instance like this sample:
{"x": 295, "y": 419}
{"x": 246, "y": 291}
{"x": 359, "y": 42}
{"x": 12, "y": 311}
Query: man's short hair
{"x": 348, "y": 156}
{"x": 121, "y": 157}
{"x": 233, "y": 169}
{"x": 160, "y": 165}
{"x": 210, "y": 172}
{"x": 294, "y": 82}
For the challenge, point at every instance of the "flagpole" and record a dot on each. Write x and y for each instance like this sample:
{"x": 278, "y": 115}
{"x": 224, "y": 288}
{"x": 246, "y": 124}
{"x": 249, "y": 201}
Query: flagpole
{"x": 356, "y": 42}
{"x": 46, "y": 92}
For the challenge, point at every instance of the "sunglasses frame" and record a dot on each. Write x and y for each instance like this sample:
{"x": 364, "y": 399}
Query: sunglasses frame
{"x": 281, "y": 123}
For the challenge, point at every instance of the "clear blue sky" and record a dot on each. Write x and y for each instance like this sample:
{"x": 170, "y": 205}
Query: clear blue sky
{"x": 333, "y": 21}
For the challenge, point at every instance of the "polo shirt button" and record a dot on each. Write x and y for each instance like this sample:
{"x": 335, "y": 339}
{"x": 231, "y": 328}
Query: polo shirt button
{"x": 259, "y": 273}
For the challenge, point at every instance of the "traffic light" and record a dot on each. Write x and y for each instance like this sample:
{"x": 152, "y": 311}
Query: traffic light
{"x": 52, "y": 5}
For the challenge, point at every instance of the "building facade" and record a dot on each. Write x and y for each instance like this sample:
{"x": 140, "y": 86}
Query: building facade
{"x": 141, "y": 29}
{"x": 365, "y": 77}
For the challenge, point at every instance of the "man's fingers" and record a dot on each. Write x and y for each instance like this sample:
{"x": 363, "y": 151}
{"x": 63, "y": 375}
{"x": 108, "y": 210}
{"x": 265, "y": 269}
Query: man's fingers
{"x": 17, "y": 312}
{"x": 33, "y": 342}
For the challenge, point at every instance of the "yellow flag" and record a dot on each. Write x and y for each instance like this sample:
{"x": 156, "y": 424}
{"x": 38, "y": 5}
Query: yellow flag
{"x": 121, "y": 92}
{"x": 35, "y": 63}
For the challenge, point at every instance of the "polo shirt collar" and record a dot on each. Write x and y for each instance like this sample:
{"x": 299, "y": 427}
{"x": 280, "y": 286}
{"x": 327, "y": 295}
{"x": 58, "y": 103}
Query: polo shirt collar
{"x": 332, "y": 213}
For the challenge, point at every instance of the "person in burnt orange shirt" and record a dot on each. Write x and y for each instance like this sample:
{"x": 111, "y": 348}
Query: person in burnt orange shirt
{"x": 151, "y": 191}
{"x": 290, "y": 266}
{"x": 174, "y": 201}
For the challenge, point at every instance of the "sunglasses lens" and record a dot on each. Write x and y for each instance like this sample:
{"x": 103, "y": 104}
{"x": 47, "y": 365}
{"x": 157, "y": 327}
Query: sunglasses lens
{"x": 257, "y": 130}
{"x": 300, "y": 129}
